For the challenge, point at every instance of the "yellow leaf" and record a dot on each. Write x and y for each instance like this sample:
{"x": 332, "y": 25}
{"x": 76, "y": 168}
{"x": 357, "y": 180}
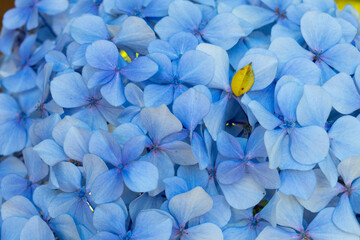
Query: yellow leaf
{"x": 243, "y": 80}
{"x": 342, "y": 3}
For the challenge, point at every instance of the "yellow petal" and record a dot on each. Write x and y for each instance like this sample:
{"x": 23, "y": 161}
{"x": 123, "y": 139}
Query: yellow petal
{"x": 342, "y": 3}
{"x": 243, "y": 80}
{"x": 125, "y": 56}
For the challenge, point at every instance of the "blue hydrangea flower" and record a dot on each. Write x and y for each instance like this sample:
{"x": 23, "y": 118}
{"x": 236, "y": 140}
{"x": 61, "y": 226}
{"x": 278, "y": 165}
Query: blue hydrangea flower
{"x": 223, "y": 30}
{"x": 27, "y": 12}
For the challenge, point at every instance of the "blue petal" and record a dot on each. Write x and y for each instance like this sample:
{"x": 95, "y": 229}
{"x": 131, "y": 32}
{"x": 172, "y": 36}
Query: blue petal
{"x": 342, "y": 57}
{"x": 256, "y": 16}
{"x": 12, "y": 165}
{"x": 328, "y": 30}
{"x": 152, "y": 224}
{"x": 229, "y": 146}
{"x": 344, "y": 217}
{"x": 290, "y": 214}
{"x": 263, "y": 116}
{"x": 255, "y": 146}
{"x": 348, "y": 169}
{"x": 21, "y": 81}
{"x": 223, "y": 30}
{"x": 36, "y": 229}
{"x": 11, "y": 227}
{"x": 88, "y": 28}
{"x": 174, "y": 186}
{"x": 271, "y": 233}
{"x": 110, "y": 218}
{"x": 187, "y": 14}
{"x": 16, "y": 17}
{"x": 302, "y": 69}
{"x": 133, "y": 148}
{"x": 68, "y": 176}
{"x": 221, "y": 61}
{"x": 52, "y": 8}
{"x": 345, "y": 96}
{"x": 69, "y": 90}
{"x": 215, "y": 119}
{"x": 287, "y": 49}
{"x": 322, "y": 195}
{"x": 179, "y": 152}
{"x": 274, "y": 143}
{"x": 208, "y": 231}
{"x": 196, "y": 67}
{"x": 134, "y": 95}
{"x": 113, "y": 91}
{"x": 322, "y": 227}
{"x": 220, "y": 213}
{"x": 193, "y": 176}
{"x": 13, "y": 138}
{"x": 107, "y": 187}
{"x": 298, "y": 183}
{"x": 93, "y": 166}
{"x": 160, "y": 46}
{"x": 191, "y": 204}
{"x": 37, "y": 169}
{"x": 135, "y": 34}
{"x": 190, "y": 108}
{"x": 229, "y": 172}
{"x": 343, "y": 134}
{"x": 140, "y": 69}
{"x": 156, "y": 95}
{"x": 264, "y": 176}
{"x": 76, "y": 143}
{"x": 314, "y": 107}
{"x": 309, "y": 145}
{"x": 64, "y": 227}
{"x": 160, "y": 122}
{"x": 103, "y": 55}
{"x": 12, "y": 185}
{"x": 50, "y": 152}
{"x": 183, "y": 42}
{"x": 18, "y": 206}
{"x": 104, "y": 145}
{"x": 243, "y": 194}
{"x": 168, "y": 27}
{"x": 288, "y": 99}
{"x": 239, "y": 233}
{"x": 141, "y": 176}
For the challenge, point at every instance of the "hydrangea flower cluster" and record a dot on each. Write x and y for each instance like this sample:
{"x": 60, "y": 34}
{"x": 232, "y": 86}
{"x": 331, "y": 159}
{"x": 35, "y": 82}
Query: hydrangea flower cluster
{"x": 124, "y": 120}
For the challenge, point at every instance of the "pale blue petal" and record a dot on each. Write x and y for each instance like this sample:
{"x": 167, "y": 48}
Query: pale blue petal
{"x": 37, "y": 169}
{"x": 220, "y": 213}
{"x": 160, "y": 122}
{"x": 243, "y": 194}
{"x": 346, "y": 98}
{"x": 196, "y": 67}
{"x": 64, "y": 227}
{"x": 88, "y": 28}
{"x": 256, "y": 16}
{"x": 229, "y": 146}
{"x": 140, "y": 176}
{"x": 290, "y": 214}
{"x": 103, "y": 55}
{"x": 309, "y": 145}
{"x": 107, "y": 187}
{"x": 322, "y": 195}
{"x": 191, "y": 204}
{"x": 93, "y": 166}
{"x": 140, "y": 69}
{"x": 110, "y": 218}
{"x": 16, "y": 17}
{"x": 69, "y": 90}
{"x": 266, "y": 119}
{"x": 275, "y": 146}
{"x": 76, "y": 143}
{"x": 264, "y": 176}
{"x": 303, "y": 69}
{"x": 23, "y": 80}
{"x": 314, "y": 107}
{"x": 36, "y": 229}
{"x": 206, "y": 231}
{"x": 68, "y": 176}
{"x": 186, "y": 14}
{"x": 298, "y": 183}
{"x": 18, "y": 206}
{"x": 174, "y": 186}
{"x": 151, "y": 224}
{"x": 239, "y": 233}
{"x": 223, "y": 30}
{"x": 343, "y": 134}
{"x": 271, "y": 233}
{"x": 11, "y": 227}
{"x": 320, "y": 30}
{"x": 349, "y": 169}
{"x": 193, "y": 176}
{"x": 104, "y": 145}
{"x": 215, "y": 119}
{"x": 179, "y": 152}
{"x": 135, "y": 34}
{"x": 344, "y": 217}
{"x": 342, "y": 57}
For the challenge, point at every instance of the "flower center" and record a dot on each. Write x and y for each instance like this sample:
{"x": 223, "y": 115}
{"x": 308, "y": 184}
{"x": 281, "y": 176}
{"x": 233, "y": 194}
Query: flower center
{"x": 317, "y": 55}
{"x": 288, "y": 125}
{"x": 280, "y": 13}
